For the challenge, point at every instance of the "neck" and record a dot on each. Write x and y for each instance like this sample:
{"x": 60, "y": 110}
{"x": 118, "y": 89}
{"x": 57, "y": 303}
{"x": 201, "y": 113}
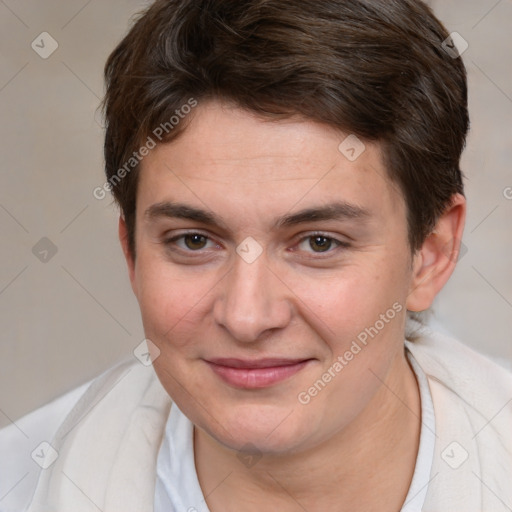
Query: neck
{"x": 351, "y": 470}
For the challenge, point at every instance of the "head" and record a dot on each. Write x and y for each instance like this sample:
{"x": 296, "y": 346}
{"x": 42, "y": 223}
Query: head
{"x": 288, "y": 178}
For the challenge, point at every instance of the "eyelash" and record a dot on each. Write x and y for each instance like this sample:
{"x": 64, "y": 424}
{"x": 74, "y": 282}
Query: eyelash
{"x": 339, "y": 244}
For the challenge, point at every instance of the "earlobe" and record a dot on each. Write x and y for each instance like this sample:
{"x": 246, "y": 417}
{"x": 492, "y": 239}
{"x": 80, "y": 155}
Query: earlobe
{"x": 123, "y": 238}
{"x": 435, "y": 262}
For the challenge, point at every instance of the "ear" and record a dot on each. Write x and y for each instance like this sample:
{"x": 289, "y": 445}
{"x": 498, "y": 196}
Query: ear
{"x": 123, "y": 238}
{"x": 435, "y": 262}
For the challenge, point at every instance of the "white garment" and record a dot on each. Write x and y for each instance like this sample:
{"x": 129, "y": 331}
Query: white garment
{"x": 109, "y": 442}
{"x": 177, "y": 485}
{"x": 19, "y": 472}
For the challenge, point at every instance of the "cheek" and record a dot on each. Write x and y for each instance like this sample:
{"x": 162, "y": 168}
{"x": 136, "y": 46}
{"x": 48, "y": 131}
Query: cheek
{"x": 171, "y": 301}
{"x": 353, "y": 297}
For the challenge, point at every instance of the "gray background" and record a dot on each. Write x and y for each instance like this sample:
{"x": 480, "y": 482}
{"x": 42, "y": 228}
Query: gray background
{"x": 71, "y": 317}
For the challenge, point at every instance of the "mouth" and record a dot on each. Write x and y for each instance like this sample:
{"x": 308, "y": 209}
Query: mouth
{"x": 256, "y": 374}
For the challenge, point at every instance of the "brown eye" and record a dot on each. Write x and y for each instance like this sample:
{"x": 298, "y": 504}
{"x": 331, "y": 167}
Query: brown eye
{"x": 320, "y": 243}
{"x": 195, "y": 241}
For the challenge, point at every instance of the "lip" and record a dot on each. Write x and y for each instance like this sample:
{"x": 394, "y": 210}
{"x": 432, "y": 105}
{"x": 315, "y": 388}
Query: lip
{"x": 256, "y": 374}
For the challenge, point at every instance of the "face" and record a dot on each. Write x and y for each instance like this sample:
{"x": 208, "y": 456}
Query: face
{"x": 264, "y": 258}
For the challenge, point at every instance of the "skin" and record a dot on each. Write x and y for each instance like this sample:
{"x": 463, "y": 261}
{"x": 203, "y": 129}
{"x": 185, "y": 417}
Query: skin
{"x": 354, "y": 445}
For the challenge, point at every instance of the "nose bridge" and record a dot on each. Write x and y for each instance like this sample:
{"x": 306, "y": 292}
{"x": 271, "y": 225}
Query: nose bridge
{"x": 252, "y": 301}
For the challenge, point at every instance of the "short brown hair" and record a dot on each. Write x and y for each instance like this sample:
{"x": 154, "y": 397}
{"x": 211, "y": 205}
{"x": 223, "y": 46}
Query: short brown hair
{"x": 373, "y": 68}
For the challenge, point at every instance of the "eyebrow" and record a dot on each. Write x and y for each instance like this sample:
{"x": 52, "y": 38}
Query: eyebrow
{"x": 339, "y": 210}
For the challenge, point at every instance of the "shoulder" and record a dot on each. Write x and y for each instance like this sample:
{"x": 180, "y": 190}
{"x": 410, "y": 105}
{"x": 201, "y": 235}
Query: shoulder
{"x": 26, "y": 444}
{"x": 22, "y": 442}
{"x": 457, "y": 365}
{"x": 471, "y": 396}
{"x": 99, "y": 442}
{"x": 460, "y": 374}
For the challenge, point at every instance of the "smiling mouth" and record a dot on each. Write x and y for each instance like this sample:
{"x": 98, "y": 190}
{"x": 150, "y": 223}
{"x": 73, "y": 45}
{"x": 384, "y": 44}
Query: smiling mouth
{"x": 256, "y": 374}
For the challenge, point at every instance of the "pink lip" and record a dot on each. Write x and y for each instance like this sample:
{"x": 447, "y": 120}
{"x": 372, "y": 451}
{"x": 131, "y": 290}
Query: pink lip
{"x": 256, "y": 374}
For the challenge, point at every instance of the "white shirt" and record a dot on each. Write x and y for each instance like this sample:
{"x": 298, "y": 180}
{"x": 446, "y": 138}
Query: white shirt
{"x": 177, "y": 486}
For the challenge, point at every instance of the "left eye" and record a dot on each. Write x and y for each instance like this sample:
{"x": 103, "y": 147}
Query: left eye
{"x": 319, "y": 243}
{"x": 191, "y": 241}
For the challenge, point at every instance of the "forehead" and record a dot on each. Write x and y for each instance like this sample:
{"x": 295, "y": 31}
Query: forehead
{"x": 228, "y": 156}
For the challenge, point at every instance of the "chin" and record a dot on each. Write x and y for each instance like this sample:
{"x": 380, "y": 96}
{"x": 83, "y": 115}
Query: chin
{"x": 269, "y": 430}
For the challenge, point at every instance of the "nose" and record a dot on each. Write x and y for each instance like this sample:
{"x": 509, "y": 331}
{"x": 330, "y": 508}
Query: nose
{"x": 252, "y": 301}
